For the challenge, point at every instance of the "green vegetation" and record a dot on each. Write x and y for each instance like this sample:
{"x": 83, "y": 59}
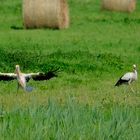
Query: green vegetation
{"x": 71, "y": 121}
{"x": 82, "y": 102}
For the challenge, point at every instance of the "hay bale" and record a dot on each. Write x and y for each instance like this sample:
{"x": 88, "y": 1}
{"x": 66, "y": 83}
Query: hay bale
{"x": 119, "y": 5}
{"x": 45, "y": 13}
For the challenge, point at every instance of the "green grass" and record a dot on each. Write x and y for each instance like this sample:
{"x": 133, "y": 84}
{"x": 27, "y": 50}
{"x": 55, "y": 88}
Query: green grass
{"x": 97, "y": 48}
{"x": 70, "y": 121}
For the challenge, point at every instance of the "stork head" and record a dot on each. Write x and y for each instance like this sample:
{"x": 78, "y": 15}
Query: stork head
{"x": 17, "y": 69}
{"x": 134, "y": 66}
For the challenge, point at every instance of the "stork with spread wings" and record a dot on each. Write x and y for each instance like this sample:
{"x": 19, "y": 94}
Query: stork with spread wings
{"x": 23, "y": 78}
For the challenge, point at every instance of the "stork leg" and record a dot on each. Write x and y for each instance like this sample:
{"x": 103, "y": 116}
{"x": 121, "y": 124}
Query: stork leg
{"x": 17, "y": 87}
{"x": 131, "y": 87}
{"x": 126, "y": 89}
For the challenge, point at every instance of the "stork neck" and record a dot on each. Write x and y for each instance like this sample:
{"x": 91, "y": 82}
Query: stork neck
{"x": 135, "y": 71}
{"x": 18, "y": 72}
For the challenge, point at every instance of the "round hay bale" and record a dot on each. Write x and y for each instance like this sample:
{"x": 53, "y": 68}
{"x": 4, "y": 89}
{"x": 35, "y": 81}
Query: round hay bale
{"x": 119, "y": 5}
{"x": 45, "y": 13}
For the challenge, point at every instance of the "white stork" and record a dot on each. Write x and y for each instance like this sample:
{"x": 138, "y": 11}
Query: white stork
{"x": 22, "y": 78}
{"x": 128, "y": 78}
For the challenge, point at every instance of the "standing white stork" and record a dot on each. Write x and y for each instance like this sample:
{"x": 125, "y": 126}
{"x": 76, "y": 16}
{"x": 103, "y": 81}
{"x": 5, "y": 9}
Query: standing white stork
{"x": 22, "y": 78}
{"x": 128, "y": 78}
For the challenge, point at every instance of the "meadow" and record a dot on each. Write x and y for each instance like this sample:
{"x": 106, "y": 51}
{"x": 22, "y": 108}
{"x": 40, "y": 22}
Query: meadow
{"x": 82, "y": 102}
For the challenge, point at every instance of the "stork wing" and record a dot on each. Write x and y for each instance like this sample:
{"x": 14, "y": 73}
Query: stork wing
{"x": 41, "y": 76}
{"x": 7, "y": 76}
{"x": 120, "y": 82}
{"x": 127, "y": 76}
{"x": 124, "y": 78}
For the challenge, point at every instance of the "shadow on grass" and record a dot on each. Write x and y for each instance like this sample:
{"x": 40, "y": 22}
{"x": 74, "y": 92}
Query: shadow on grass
{"x": 16, "y": 27}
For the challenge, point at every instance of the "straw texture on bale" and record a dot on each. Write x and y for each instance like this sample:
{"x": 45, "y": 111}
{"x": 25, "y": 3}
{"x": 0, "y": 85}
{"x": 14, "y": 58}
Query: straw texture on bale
{"x": 45, "y": 13}
{"x": 119, "y": 5}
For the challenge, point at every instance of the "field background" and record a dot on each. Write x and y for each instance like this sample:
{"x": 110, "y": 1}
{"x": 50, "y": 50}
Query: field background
{"x": 82, "y": 102}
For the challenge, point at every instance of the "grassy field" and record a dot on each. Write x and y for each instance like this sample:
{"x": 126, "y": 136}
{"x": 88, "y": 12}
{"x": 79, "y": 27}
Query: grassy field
{"x": 82, "y": 102}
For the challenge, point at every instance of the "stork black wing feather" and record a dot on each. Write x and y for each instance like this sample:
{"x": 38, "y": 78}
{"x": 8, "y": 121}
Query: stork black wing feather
{"x": 44, "y": 76}
{"x": 6, "y": 78}
{"x": 27, "y": 79}
{"x": 121, "y": 81}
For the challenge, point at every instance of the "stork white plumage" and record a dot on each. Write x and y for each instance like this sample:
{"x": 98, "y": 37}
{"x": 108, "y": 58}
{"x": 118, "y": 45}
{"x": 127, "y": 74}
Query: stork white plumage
{"x": 23, "y": 78}
{"x": 128, "y": 78}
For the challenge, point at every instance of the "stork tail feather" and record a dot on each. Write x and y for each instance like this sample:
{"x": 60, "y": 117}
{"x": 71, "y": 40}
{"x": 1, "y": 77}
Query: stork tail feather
{"x": 120, "y": 82}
